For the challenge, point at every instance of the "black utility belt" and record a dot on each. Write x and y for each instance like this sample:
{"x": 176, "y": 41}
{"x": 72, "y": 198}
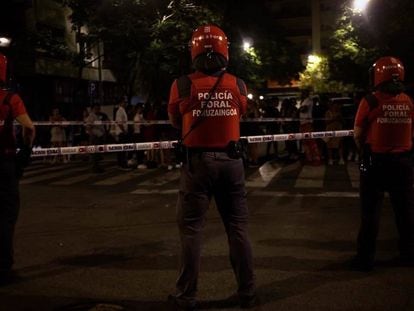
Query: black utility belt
{"x": 234, "y": 149}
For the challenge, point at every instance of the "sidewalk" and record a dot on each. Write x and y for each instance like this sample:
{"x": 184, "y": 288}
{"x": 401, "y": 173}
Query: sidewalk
{"x": 77, "y": 248}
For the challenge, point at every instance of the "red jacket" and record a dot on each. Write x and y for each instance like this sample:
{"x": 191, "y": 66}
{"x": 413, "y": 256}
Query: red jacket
{"x": 218, "y": 117}
{"x": 8, "y": 112}
{"x": 389, "y": 125}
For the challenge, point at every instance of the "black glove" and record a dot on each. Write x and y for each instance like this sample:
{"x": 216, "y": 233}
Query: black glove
{"x": 23, "y": 158}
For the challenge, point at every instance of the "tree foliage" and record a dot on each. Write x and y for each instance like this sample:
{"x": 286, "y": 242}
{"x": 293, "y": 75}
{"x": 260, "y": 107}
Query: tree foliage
{"x": 317, "y": 77}
{"x": 146, "y": 41}
{"x": 361, "y": 37}
{"x": 273, "y": 57}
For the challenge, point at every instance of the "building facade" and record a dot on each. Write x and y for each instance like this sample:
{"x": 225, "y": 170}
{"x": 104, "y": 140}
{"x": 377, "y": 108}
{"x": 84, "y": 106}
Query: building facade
{"x": 41, "y": 53}
{"x": 308, "y": 24}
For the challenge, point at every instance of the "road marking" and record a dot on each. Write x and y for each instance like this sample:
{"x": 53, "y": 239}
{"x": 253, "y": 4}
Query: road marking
{"x": 263, "y": 176}
{"x": 264, "y": 193}
{"x": 161, "y": 180}
{"x": 155, "y": 191}
{"x": 43, "y": 169}
{"x": 73, "y": 180}
{"x": 63, "y": 172}
{"x": 311, "y": 177}
{"x": 122, "y": 177}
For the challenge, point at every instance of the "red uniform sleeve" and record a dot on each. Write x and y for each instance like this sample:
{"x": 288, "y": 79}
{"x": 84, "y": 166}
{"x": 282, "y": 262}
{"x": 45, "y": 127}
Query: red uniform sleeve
{"x": 174, "y": 101}
{"x": 362, "y": 113}
{"x": 17, "y": 106}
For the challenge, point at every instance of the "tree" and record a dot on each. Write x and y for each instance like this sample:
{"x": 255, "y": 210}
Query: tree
{"x": 271, "y": 55}
{"x": 167, "y": 55}
{"x": 361, "y": 38}
{"x": 316, "y": 76}
{"x": 146, "y": 41}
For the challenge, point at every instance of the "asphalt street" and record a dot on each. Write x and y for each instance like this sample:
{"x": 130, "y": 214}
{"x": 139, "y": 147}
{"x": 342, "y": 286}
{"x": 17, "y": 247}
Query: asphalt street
{"x": 109, "y": 241}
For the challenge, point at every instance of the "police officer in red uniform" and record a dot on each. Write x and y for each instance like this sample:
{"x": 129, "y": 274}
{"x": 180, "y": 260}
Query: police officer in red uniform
{"x": 383, "y": 131}
{"x": 207, "y": 105}
{"x": 11, "y": 166}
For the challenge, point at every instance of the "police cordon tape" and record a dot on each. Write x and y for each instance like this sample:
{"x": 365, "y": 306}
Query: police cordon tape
{"x": 154, "y": 122}
{"x": 42, "y": 152}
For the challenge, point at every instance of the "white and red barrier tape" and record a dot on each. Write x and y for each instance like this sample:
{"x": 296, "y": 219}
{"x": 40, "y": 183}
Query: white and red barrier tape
{"x": 154, "y": 122}
{"x": 41, "y": 152}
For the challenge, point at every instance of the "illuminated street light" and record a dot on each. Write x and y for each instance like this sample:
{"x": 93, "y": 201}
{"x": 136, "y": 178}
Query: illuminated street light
{"x": 246, "y": 46}
{"x": 250, "y": 96}
{"x": 360, "y": 5}
{"x": 261, "y": 97}
{"x": 314, "y": 59}
{"x": 5, "y": 42}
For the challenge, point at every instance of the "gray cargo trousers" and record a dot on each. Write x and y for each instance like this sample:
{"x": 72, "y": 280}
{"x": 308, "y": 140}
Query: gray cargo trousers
{"x": 207, "y": 175}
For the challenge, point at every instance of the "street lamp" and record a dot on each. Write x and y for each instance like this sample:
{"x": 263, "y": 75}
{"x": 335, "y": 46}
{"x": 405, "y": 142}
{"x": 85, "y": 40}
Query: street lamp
{"x": 314, "y": 59}
{"x": 246, "y": 46}
{"x": 360, "y": 5}
{"x": 5, "y": 42}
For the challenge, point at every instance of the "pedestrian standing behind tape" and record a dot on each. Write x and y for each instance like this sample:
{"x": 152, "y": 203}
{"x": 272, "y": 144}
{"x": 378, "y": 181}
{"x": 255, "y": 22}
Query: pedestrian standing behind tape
{"x": 137, "y": 135}
{"x": 11, "y": 168}
{"x": 288, "y": 110}
{"x": 207, "y": 106}
{"x": 97, "y": 134}
{"x": 121, "y": 132}
{"x": 58, "y": 135}
{"x": 310, "y": 147}
{"x": 384, "y": 131}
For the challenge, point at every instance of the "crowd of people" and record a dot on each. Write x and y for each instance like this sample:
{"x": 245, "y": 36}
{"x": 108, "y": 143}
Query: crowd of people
{"x": 133, "y": 124}
{"x": 289, "y": 115}
{"x": 293, "y": 115}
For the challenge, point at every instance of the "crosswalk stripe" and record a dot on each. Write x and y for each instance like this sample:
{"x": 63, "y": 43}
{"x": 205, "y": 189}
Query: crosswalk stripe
{"x": 260, "y": 178}
{"x": 34, "y": 166}
{"x": 162, "y": 180}
{"x": 73, "y": 180}
{"x": 155, "y": 191}
{"x": 311, "y": 177}
{"x": 263, "y": 176}
{"x": 42, "y": 177}
{"x": 122, "y": 177}
{"x": 333, "y": 194}
{"x": 301, "y": 177}
{"x": 42, "y": 170}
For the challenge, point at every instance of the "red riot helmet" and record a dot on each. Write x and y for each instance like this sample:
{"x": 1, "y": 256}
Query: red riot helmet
{"x": 3, "y": 68}
{"x": 387, "y": 69}
{"x": 209, "y": 39}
